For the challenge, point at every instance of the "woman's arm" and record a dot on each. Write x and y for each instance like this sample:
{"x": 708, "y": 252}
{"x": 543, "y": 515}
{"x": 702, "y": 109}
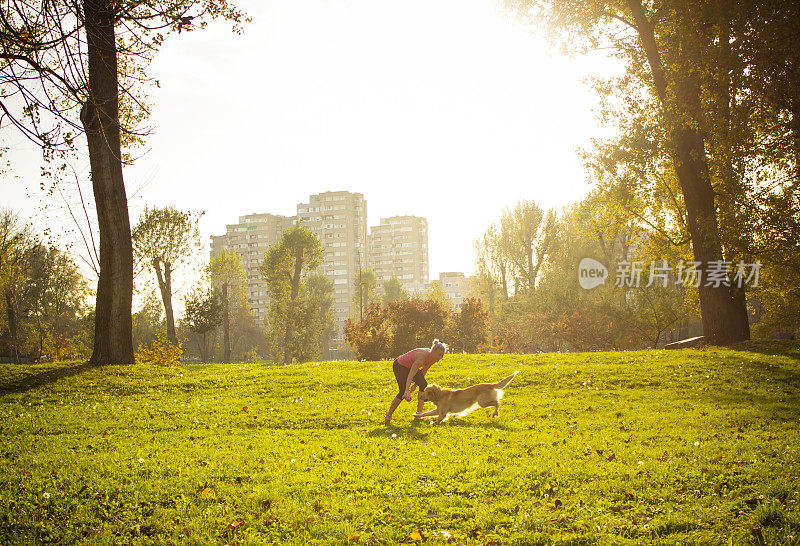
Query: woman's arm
{"x": 418, "y": 361}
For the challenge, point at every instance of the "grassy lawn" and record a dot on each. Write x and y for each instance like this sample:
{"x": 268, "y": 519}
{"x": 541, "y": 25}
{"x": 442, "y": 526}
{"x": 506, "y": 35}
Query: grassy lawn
{"x": 637, "y": 447}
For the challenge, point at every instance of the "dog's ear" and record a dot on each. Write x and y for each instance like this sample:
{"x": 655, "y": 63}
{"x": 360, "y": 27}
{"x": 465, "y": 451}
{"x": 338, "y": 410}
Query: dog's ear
{"x": 432, "y": 392}
{"x": 424, "y": 394}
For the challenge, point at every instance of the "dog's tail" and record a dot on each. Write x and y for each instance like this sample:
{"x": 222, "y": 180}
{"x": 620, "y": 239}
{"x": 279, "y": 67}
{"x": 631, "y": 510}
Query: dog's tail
{"x": 503, "y": 382}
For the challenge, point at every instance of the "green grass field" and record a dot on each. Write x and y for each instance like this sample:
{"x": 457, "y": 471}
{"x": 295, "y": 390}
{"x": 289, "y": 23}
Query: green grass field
{"x": 638, "y": 447}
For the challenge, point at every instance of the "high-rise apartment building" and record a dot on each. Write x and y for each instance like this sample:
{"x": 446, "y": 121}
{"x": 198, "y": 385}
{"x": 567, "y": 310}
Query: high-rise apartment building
{"x": 251, "y": 238}
{"x": 339, "y": 219}
{"x": 456, "y": 286}
{"x": 398, "y": 247}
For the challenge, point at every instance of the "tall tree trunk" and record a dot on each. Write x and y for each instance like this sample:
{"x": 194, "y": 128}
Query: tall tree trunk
{"x": 12, "y": 325}
{"x": 536, "y": 268}
{"x": 491, "y": 309}
{"x": 531, "y": 272}
{"x": 212, "y": 347}
{"x": 719, "y": 309}
{"x": 200, "y": 339}
{"x": 504, "y": 281}
{"x": 113, "y": 339}
{"x": 298, "y": 269}
{"x": 795, "y": 128}
{"x": 731, "y": 186}
{"x": 226, "y": 325}
{"x": 718, "y": 306}
{"x": 165, "y": 286}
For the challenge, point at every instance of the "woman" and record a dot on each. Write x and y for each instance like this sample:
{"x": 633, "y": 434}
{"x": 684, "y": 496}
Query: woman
{"x": 409, "y": 371}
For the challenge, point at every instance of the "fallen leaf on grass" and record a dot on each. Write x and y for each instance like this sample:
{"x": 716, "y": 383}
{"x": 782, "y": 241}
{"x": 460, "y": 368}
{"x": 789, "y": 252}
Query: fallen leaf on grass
{"x": 643, "y": 517}
{"x": 752, "y": 503}
{"x": 619, "y": 507}
{"x": 208, "y": 492}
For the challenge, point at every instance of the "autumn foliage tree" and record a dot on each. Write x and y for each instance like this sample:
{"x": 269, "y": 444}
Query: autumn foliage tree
{"x": 700, "y": 137}
{"x": 43, "y": 297}
{"x": 416, "y": 323}
{"x": 74, "y": 71}
{"x": 510, "y": 257}
{"x": 286, "y": 268}
{"x": 468, "y": 329}
{"x": 315, "y": 317}
{"x": 388, "y": 331}
{"x": 204, "y": 312}
{"x": 393, "y": 290}
{"x": 229, "y": 282}
{"x": 371, "y": 337}
{"x": 560, "y": 315}
{"x": 164, "y": 239}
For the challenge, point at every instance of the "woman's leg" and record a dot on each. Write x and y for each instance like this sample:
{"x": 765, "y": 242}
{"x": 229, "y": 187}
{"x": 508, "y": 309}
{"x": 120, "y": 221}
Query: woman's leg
{"x": 420, "y": 403}
{"x": 419, "y": 379}
{"x": 401, "y": 375}
{"x": 395, "y": 402}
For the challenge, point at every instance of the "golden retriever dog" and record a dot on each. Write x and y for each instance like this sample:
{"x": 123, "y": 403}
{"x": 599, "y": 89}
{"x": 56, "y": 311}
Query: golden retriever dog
{"x": 463, "y": 401}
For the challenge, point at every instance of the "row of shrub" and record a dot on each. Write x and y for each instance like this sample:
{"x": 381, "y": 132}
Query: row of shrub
{"x": 386, "y": 331}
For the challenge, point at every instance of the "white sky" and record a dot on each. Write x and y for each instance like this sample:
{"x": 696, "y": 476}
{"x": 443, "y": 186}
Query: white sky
{"x": 448, "y": 109}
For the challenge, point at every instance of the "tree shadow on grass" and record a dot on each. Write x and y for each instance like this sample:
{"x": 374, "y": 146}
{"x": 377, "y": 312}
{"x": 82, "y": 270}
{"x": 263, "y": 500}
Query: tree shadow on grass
{"x": 787, "y": 348}
{"x": 36, "y": 380}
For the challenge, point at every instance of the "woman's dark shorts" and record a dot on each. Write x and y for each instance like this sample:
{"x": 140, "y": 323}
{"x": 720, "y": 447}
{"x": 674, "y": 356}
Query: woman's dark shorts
{"x": 401, "y": 374}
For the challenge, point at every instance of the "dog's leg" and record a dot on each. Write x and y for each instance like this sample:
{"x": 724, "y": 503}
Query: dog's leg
{"x": 496, "y": 405}
{"x": 427, "y": 413}
{"x": 442, "y": 417}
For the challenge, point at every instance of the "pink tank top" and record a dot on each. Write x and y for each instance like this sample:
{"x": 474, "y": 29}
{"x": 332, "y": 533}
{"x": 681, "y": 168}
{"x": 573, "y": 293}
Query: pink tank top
{"x": 407, "y": 360}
